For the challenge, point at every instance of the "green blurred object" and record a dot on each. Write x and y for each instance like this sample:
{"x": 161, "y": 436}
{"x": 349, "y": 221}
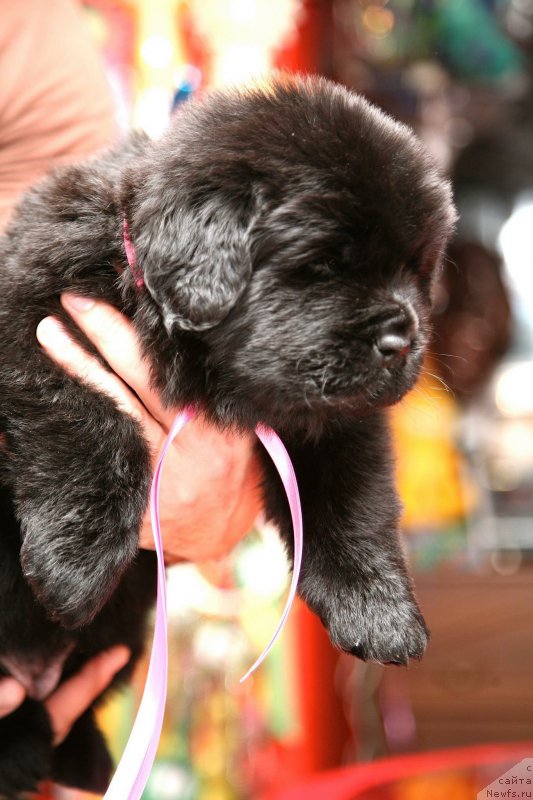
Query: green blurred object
{"x": 467, "y": 36}
{"x": 473, "y": 43}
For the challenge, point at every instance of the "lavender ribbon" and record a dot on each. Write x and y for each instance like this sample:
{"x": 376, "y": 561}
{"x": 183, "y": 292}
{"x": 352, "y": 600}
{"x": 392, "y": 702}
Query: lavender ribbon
{"x": 134, "y": 768}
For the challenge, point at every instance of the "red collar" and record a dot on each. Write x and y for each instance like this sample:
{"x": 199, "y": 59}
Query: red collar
{"x": 131, "y": 257}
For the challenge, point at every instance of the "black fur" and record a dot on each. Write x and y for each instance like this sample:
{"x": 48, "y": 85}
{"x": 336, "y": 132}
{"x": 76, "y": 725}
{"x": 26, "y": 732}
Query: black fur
{"x": 288, "y": 238}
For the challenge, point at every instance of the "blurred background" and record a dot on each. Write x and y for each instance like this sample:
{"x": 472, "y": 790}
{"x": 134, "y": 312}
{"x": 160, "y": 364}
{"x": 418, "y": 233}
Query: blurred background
{"x": 460, "y": 73}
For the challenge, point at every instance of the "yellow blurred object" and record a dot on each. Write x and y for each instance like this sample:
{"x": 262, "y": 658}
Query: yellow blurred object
{"x": 159, "y": 54}
{"x": 430, "y": 475}
{"x": 461, "y": 786}
{"x": 378, "y": 21}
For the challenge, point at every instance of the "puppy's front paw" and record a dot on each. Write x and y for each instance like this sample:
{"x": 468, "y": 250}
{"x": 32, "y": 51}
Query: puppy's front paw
{"x": 80, "y": 534}
{"x": 25, "y": 751}
{"x": 379, "y": 622}
{"x": 391, "y": 633}
{"x": 82, "y": 760}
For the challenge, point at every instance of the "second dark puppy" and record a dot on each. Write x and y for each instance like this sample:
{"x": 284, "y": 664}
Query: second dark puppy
{"x": 287, "y": 240}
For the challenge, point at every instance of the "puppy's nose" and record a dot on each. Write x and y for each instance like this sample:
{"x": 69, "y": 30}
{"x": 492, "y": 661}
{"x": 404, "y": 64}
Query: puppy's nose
{"x": 396, "y": 335}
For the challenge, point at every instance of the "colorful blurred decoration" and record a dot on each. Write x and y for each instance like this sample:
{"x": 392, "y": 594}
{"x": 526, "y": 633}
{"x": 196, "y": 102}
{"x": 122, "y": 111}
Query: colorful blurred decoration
{"x": 467, "y": 36}
{"x": 242, "y": 36}
{"x": 442, "y": 66}
{"x": 472, "y": 41}
{"x": 515, "y": 244}
{"x": 114, "y": 27}
{"x": 429, "y": 472}
{"x": 187, "y": 80}
{"x": 218, "y": 732}
{"x": 221, "y": 740}
{"x": 436, "y": 430}
{"x": 437, "y": 491}
{"x": 159, "y": 53}
{"x": 456, "y": 774}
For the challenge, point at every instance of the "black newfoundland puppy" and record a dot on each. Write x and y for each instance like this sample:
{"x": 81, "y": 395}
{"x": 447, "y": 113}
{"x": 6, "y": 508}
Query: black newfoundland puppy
{"x": 287, "y": 238}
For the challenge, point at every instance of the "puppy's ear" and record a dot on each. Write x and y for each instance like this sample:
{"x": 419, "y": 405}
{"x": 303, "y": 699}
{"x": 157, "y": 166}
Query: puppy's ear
{"x": 196, "y": 260}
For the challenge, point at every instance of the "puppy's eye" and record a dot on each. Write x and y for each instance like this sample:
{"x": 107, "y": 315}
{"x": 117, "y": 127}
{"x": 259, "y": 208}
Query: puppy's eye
{"x": 422, "y": 265}
{"x": 313, "y": 271}
{"x": 428, "y": 269}
{"x": 321, "y": 269}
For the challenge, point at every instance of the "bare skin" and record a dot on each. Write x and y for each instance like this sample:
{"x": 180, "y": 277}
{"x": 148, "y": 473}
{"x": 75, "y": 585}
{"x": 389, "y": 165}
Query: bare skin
{"x": 209, "y": 491}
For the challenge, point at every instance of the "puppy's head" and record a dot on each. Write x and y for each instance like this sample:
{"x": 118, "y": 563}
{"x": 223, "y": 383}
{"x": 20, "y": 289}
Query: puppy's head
{"x": 289, "y": 237}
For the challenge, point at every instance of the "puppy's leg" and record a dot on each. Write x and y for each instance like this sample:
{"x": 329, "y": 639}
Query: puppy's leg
{"x": 25, "y": 750}
{"x": 354, "y": 574}
{"x": 82, "y": 760}
{"x": 79, "y": 471}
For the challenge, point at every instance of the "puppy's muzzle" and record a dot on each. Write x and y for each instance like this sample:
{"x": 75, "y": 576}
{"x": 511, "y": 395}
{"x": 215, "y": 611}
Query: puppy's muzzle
{"x": 38, "y": 677}
{"x": 397, "y": 334}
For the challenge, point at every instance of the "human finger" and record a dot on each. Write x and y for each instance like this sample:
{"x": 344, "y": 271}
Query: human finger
{"x": 12, "y": 695}
{"x": 115, "y": 338}
{"x": 73, "y": 697}
{"x": 76, "y": 361}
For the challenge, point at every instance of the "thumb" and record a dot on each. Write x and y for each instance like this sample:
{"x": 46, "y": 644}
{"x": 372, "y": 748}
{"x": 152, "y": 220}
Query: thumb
{"x": 12, "y": 695}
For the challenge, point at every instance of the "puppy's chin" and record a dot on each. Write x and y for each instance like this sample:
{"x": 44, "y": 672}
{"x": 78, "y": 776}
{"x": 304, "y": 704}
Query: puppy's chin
{"x": 395, "y": 382}
{"x": 311, "y": 410}
{"x": 376, "y": 389}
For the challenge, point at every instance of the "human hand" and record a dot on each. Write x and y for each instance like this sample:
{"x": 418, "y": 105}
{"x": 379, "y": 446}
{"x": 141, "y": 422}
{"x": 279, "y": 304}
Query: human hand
{"x": 210, "y": 485}
{"x": 74, "y": 696}
{"x": 12, "y": 695}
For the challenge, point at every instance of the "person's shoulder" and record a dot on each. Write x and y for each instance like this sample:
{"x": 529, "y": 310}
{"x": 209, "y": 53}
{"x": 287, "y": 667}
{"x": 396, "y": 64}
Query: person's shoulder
{"x": 55, "y": 100}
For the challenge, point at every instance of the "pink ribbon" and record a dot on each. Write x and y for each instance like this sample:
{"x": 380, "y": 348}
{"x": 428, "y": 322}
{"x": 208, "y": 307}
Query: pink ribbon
{"x": 134, "y": 768}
